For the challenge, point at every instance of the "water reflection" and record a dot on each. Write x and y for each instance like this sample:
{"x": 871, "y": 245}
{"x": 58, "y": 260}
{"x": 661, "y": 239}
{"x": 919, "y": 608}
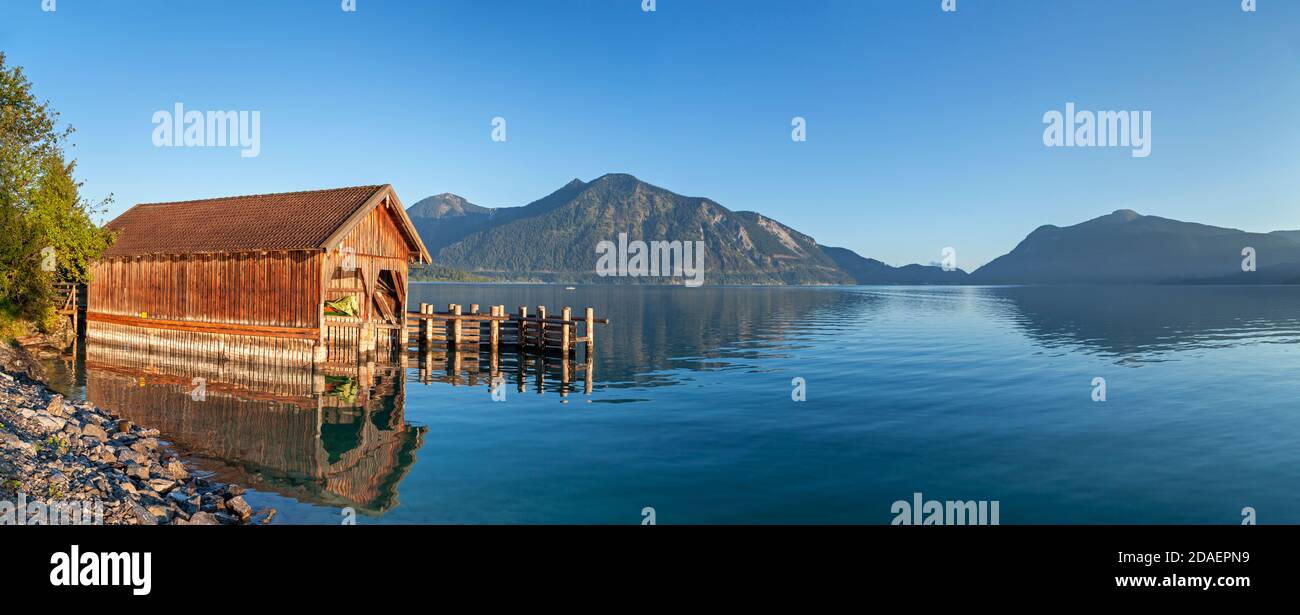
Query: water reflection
{"x": 657, "y": 334}
{"x": 975, "y": 391}
{"x": 336, "y": 437}
{"x": 519, "y": 370}
{"x": 1139, "y": 324}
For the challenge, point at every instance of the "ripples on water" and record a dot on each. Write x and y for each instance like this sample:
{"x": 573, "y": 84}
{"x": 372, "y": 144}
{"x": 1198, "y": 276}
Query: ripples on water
{"x": 960, "y": 393}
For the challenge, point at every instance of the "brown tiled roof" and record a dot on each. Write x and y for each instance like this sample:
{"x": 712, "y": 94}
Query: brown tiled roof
{"x": 285, "y": 221}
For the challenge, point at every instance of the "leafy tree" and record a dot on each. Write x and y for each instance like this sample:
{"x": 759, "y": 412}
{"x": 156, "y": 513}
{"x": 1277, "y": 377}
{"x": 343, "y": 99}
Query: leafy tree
{"x": 46, "y": 231}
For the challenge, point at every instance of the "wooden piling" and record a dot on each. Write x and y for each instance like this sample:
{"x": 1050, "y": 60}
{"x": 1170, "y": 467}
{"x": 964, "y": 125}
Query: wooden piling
{"x": 453, "y": 325}
{"x": 541, "y": 329}
{"x": 494, "y": 329}
{"x": 522, "y": 332}
{"x": 426, "y": 325}
{"x": 590, "y": 333}
{"x": 567, "y": 315}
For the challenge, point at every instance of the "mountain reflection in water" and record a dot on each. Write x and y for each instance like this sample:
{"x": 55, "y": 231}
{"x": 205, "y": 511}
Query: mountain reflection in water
{"x": 980, "y": 393}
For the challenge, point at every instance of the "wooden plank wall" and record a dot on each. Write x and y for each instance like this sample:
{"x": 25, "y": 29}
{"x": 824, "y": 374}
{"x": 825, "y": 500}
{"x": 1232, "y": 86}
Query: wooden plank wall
{"x": 254, "y": 288}
{"x": 377, "y": 244}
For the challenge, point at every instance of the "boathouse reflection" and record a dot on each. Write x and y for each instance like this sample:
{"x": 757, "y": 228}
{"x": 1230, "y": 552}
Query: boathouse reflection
{"x": 333, "y": 436}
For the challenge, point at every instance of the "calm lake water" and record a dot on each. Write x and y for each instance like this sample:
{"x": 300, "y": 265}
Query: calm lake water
{"x": 959, "y": 393}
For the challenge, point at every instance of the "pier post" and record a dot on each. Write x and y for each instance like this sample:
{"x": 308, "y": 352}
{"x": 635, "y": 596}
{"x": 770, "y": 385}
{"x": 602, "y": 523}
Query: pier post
{"x": 454, "y": 325}
{"x": 494, "y": 329}
{"x": 475, "y": 326}
{"x": 591, "y": 332}
{"x": 494, "y": 359}
{"x": 541, "y": 329}
{"x": 522, "y": 338}
{"x": 566, "y": 314}
{"x": 421, "y": 325}
{"x": 404, "y": 333}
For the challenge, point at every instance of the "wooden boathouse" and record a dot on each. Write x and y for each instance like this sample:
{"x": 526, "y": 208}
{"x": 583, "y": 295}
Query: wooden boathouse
{"x": 253, "y": 277}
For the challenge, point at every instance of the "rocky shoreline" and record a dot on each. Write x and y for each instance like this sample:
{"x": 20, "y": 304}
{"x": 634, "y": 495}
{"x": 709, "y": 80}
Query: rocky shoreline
{"x": 59, "y": 455}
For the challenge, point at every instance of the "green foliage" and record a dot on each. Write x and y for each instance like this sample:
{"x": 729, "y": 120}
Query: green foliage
{"x": 59, "y": 444}
{"x": 43, "y": 219}
{"x": 438, "y": 273}
{"x": 13, "y": 326}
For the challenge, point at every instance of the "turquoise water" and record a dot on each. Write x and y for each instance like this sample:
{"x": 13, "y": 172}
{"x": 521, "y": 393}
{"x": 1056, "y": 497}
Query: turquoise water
{"x": 959, "y": 393}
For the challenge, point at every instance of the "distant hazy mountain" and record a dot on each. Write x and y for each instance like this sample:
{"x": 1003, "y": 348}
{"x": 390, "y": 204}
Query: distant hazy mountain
{"x": 442, "y": 219}
{"x": 445, "y": 205}
{"x": 1292, "y": 235}
{"x": 556, "y": 237}
{"x": 1126, "y": 247}
{"x": 869, "y": 271}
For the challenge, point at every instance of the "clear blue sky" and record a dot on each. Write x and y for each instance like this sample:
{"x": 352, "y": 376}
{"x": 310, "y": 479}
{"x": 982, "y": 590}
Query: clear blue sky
{"x": 924, "y": 128}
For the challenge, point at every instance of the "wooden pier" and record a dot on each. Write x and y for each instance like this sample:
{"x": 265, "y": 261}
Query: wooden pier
{"x": 458, "y": 328}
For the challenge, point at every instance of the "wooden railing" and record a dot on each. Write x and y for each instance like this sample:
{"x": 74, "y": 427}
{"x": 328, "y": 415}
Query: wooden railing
{"x": 68, "y": 297}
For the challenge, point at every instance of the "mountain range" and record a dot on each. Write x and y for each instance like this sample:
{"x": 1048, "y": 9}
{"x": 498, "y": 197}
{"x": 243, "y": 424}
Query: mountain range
{"x": 554, "y": 239}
